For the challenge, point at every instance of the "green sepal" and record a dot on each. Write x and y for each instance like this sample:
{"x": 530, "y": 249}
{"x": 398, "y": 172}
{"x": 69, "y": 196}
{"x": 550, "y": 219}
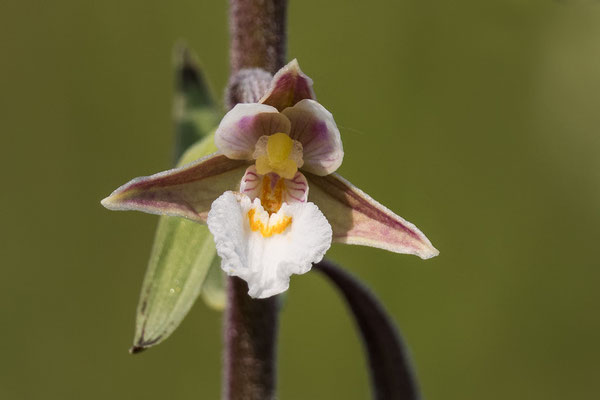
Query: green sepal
{"x": 182, "y": 254}
{"x": 181, "y": 257}
{"x": 183, "y": 251}
{"x": 195, "y": 112}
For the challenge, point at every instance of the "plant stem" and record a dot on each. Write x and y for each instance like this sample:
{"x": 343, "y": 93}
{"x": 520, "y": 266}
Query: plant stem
{"x": 250, "y": 344}
{"x": 258, "y": 40}
{"x": 258, "y": 34}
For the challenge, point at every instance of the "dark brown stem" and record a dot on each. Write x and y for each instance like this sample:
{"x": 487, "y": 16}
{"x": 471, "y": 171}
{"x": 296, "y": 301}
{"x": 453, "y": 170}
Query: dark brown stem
{"x": 258, "y": 40}
{"x": 250, "y": 344}
{"x": 258, "y": 34}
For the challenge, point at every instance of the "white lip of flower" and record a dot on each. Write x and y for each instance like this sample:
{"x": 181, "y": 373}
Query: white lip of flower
{"x": 265, "y": 250}
{"x": 266, "y": 230}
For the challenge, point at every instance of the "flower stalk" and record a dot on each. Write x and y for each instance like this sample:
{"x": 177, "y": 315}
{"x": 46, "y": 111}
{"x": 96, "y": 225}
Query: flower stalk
{"x": 258, "y": 40}
{"x": 258, "y": 34}
{"x": 250, "y": 344}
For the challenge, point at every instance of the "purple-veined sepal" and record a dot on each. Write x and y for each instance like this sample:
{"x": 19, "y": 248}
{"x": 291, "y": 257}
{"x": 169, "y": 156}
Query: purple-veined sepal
{"x": 186, "y": 192}
{"x": 356, "y": 218}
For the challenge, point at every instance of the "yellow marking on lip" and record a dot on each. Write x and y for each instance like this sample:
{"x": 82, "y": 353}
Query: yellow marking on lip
{"x": 268, "y": 230}
{"x": 272, "y": 198}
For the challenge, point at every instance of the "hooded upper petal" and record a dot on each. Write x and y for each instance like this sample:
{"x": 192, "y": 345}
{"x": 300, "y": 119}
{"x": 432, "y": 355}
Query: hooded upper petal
{"x": 314, "y": 127}
{"x": 288, "y": 87}
{"x": 244, "y": 124}
{"x": 266, "y": 261}
{"x": 358, "y": 219}
{"x": 184, "y": 192}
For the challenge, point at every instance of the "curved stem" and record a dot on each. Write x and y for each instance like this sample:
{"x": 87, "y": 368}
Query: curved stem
{"x": 258, "y": 40}
{"x": 392, "y": 375}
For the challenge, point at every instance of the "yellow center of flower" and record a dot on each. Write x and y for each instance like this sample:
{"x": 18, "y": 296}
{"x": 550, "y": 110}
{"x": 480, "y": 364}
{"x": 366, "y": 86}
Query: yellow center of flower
{"x": 277, "y": 158}
{"x": 271, "y": 198}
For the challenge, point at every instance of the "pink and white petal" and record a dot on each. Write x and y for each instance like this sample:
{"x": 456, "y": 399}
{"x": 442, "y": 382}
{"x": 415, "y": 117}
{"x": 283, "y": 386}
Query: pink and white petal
{"x": 315, "y": 128}
{"x": 251, "y": 184}
{"x": 358, "y": 219}
{"x": 186, "y": 192}
{"x": 296, "y": 189}
{"x": 244, "y": 124}
{"x": 288, "y": 87}
{"x": 266, "y": 263}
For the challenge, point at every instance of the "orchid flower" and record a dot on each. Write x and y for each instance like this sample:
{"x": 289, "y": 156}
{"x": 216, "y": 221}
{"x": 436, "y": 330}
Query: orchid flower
{"x": 270, "y": 195}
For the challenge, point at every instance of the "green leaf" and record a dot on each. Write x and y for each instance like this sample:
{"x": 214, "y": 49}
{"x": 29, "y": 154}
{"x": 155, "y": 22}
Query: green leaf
{"x": 195, "y": 112}
{"x": 213, "y": 290}
{"x": 183, "y": 252}
{"x": 181, "y": 257}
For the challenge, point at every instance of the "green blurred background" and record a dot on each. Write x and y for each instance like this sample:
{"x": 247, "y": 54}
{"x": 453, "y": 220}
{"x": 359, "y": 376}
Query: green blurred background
{"x": 478, "y": 121}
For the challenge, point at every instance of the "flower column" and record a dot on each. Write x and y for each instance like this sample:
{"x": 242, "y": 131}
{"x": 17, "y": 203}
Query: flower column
{"x": 258, "y": 40}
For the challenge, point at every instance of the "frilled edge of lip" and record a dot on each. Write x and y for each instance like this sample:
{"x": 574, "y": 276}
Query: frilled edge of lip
{"x": 265, "y": 259}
